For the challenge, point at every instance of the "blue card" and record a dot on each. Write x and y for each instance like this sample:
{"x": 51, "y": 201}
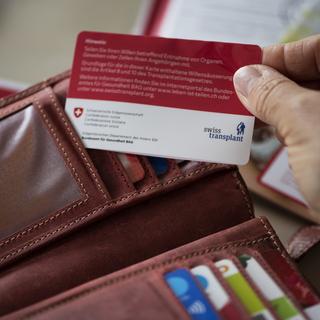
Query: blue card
{"x": 188, "y": 292}
{"x": 159, "y": 165}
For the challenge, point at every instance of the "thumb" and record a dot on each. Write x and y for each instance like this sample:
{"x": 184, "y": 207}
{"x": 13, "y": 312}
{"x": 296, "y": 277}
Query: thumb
{"x": 266, "y": 93}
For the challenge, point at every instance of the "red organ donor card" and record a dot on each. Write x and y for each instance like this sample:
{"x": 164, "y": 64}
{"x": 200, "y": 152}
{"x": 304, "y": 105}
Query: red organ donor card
{"x": 161, "y": 97}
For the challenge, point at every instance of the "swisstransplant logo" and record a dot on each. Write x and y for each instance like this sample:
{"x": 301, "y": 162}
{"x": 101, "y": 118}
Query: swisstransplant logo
{"x": 240, "y": 129}
{"x": 218, "y": 134}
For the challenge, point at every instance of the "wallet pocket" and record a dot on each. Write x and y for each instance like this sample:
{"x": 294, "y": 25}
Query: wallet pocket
{"x": 236, "y": 309}
{"x": 244, "y": 288}
{"x": 150, "y": 176}
{"x": 157, "y": 283}
{"x": 221, "y": 298}
{"x": 46, "y": 175}
{"x": 281, "y": 297}
{"x": 111, "y": 172}
{"x": 141, "y": 290}
{"x": 163, "y": 212}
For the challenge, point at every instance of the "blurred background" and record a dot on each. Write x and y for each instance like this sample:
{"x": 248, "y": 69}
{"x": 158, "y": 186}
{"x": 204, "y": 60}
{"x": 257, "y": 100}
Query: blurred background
{"x": 37, "y": 39}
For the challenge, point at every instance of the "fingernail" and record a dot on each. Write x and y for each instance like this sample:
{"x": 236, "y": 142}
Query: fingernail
{"x": 244, "y": 80}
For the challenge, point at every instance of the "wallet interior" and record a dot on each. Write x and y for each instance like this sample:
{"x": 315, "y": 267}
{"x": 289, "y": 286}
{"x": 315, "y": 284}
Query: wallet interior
{"x": 51, "y": 187}
{"x": 142, "y": 291}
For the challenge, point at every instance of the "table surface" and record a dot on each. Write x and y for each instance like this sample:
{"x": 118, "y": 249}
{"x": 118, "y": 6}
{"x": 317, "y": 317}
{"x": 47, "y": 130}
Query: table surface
{"x": 37, "y": 40}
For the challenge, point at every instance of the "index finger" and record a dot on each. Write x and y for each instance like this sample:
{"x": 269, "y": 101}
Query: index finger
{"x": 299, "y": 60}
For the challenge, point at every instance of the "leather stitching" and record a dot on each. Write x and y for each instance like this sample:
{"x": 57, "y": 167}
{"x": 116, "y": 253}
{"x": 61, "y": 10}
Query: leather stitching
{"x": 119, "y": 169}
{"x": 109, "y": 204}
{"x": 67, "y": 159}
{"x": 272, "y": 237}
{"x": 150, "y": 268}
{"x": 25, "y": 93}
{"x": 40, "y": 224}
{"x": 176, "y": 313}
{"x": 70, "y": 165}
{"x": 11, "y": 109}
{"x": 244, "y": 193}
{"x": 112, "y": 203}
{"x": 60, "y": 146}
{"x": 83, "y": 156}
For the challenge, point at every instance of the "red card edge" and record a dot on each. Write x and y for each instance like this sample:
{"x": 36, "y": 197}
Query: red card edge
{"x": 156, "y": 15}
{"x": 268, "y": 165}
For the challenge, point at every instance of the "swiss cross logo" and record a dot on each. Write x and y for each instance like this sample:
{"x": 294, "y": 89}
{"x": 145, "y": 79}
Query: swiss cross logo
{"x": 78, "y": 112}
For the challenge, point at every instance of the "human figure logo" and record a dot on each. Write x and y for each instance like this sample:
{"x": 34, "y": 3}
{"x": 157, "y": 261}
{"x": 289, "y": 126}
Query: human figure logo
{"x": 240, "y": 129}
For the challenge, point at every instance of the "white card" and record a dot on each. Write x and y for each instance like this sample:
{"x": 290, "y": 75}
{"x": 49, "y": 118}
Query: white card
{"x": 161, "y": 97}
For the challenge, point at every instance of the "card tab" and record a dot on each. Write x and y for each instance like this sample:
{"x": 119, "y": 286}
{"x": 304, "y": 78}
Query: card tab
{"x": 190, "y": 295}
{"x": 215, "y": 292}
{"x": 160, "y": 97}
{"x": 282, "y": 305}
{"x": 132, "y": 165}
{"x": 159, "y": 165}
{"x": 243, "y": 290}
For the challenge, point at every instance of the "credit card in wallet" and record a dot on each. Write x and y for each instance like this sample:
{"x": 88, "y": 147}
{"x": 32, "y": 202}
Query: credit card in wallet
{"x": 159, "y": 165}
{"x": 282, "y": 305}
{"x": 169, "y": 98}
{"x": 188, "y": 292}
{"x": 243, "y": 290}
{"x": 132, "y": 165}
{"x": 215, "y": 292}
{"x": 296, "y": 284}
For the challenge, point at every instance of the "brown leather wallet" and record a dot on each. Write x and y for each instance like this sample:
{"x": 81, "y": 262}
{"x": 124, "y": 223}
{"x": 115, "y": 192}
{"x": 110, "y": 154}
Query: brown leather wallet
{"x": 140, "y": 292}
{"x": 71, "y": 218}
{"x": 70, "y": 215}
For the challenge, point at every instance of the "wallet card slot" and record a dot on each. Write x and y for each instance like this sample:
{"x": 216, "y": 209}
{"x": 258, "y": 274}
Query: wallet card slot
{"x": 108, "y": 166}
{"x": 218, "y": 256}
{"x": 204, "y": 260}
{"x": 111, "y": 172}
{"x": 259, "y": 258}
{"x": 230, "y": 312}
{"x": 163, "y": 169}
{"x": 173, "y": 170}
{"x": 241, "y": 312}
{"x": 158, "y": 285}
{"x": 232, "y": 307}
{"x": 150, "y": 176}
{"x": 187, "y": 166}
{"x": 60, "y": 223}
{"x": 291, "y": 277}
{"x": 158, "y": 165}
{"x": 255, "y": 233}
{"x": 158, "y": 224}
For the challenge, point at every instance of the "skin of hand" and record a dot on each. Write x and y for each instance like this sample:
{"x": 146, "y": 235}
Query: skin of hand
{"x": 282, "y": 92}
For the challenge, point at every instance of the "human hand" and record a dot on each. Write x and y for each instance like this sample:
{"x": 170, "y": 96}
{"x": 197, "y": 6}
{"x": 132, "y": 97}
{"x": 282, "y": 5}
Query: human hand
{"x": 282, "y": 92}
